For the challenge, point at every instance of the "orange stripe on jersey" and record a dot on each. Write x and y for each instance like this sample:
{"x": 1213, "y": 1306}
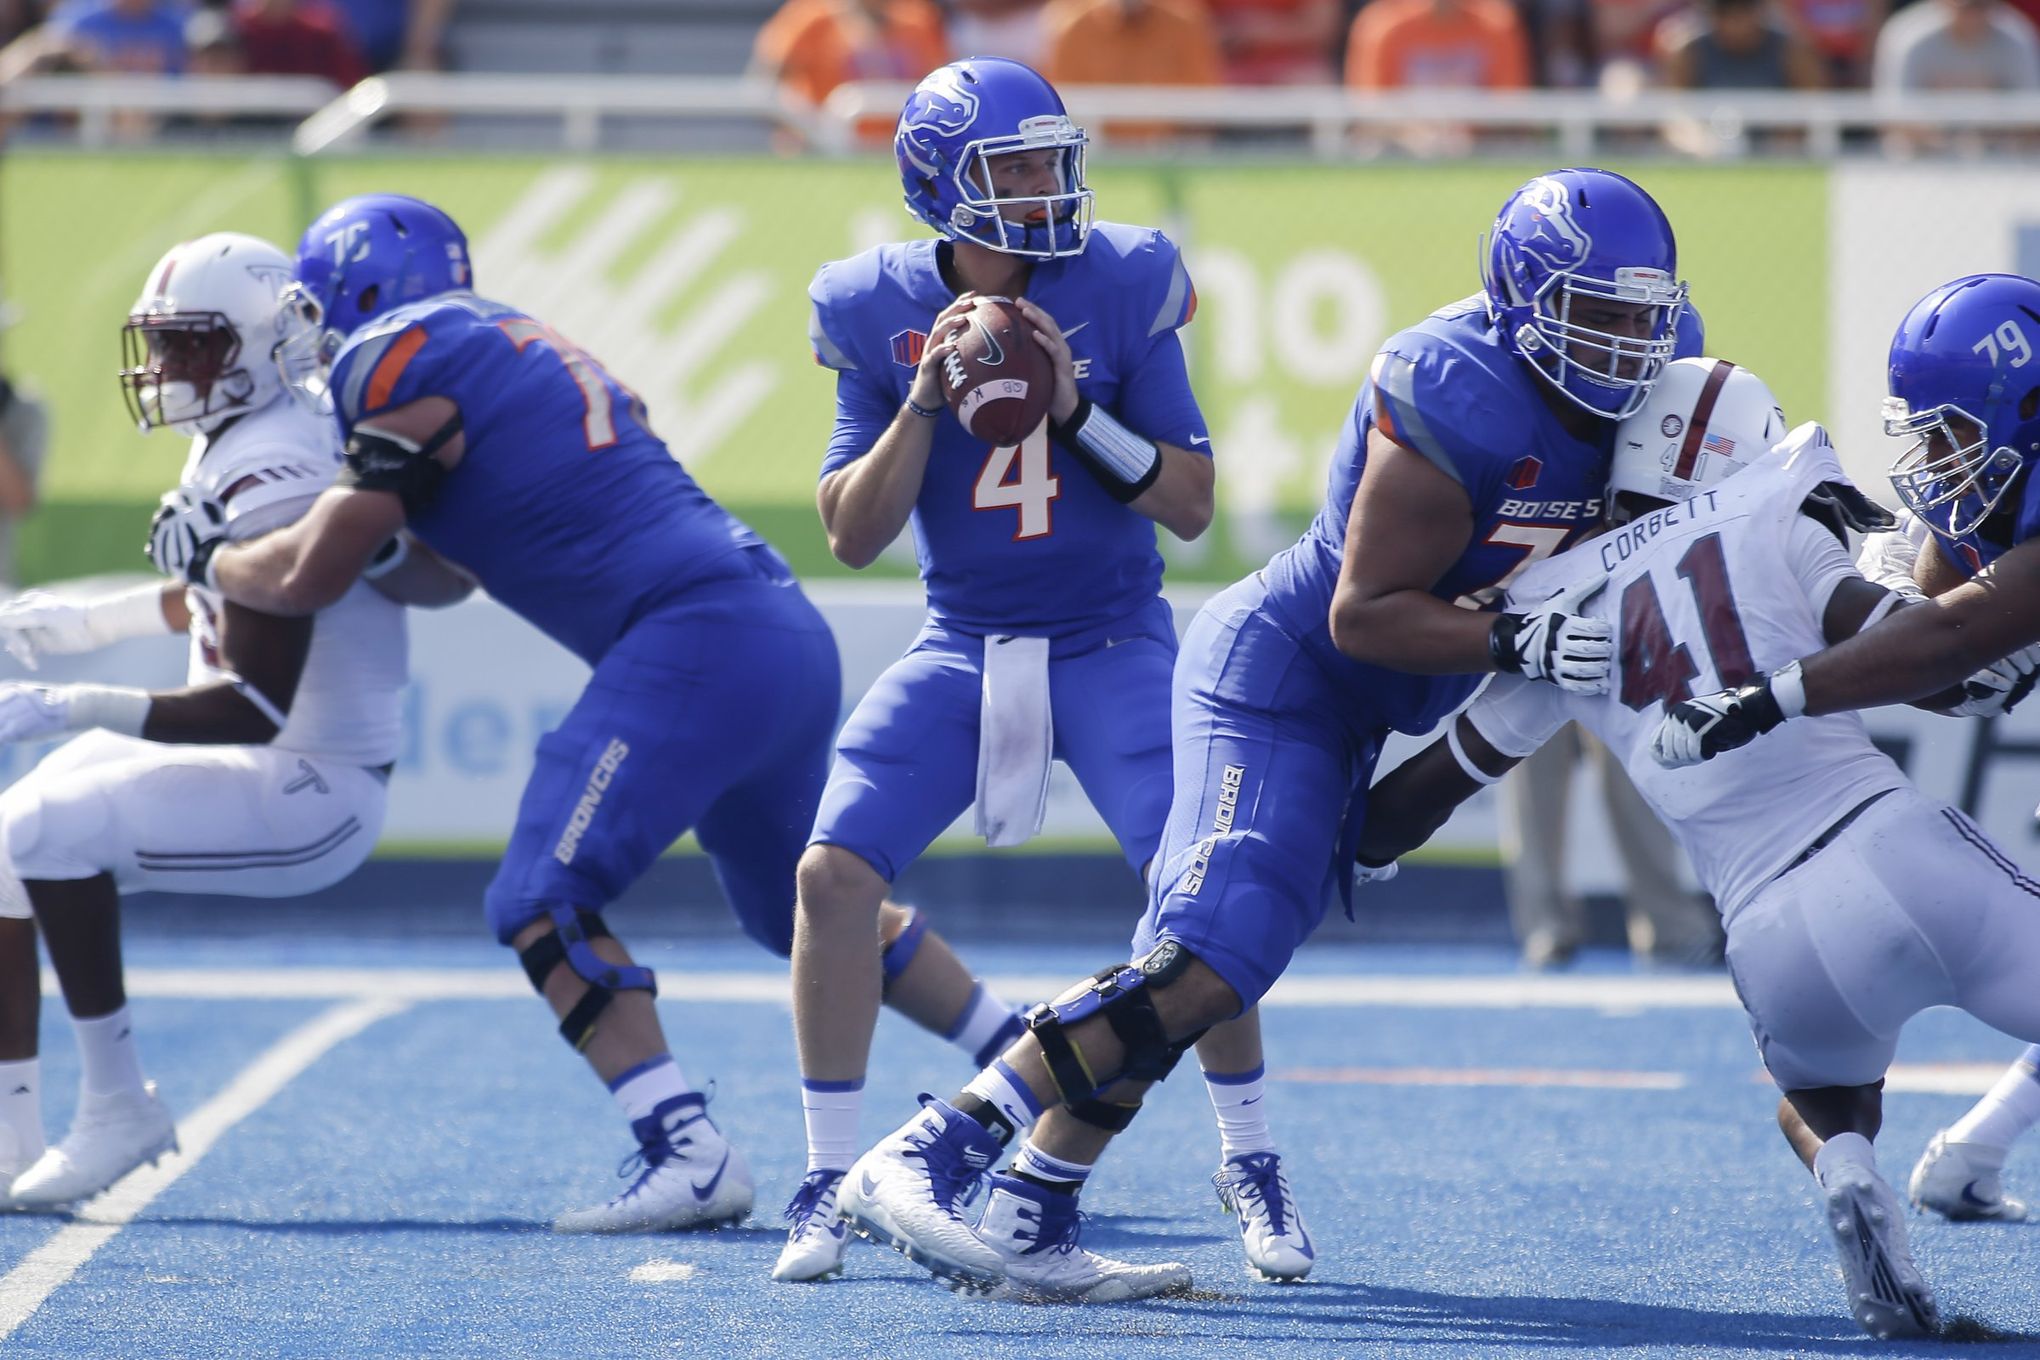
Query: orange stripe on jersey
{"x": 383, "y": 381}
{"x": 1191, "y": 314}
{"x": 1384, "y": 421}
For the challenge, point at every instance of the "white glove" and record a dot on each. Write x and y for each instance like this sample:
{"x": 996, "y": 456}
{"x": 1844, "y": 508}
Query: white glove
{"x": 1555, "y": 644}
{"x": 1702, "y": 728}
{"x": 32, "y": 712}
{"x": 183, "y": 536}
{"x": 1364, "y": 872}
{"x": 35, "y": 712}
{"x": 39, "y": 624}
{"x": 1997, "y": 688}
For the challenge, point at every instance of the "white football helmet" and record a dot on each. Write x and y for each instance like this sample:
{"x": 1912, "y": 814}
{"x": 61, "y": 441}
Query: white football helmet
{"x": 1705, "y": 421}
{"x": 200, "y": 344}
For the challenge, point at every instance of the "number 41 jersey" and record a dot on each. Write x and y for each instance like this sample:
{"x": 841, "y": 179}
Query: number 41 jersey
{"x": 1705, "y": 595}
{"x": 1022, "y": 539}
{"x": 565, "y": 506}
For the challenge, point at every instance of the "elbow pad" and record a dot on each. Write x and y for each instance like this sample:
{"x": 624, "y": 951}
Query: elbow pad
{"x": 379, "y": 461}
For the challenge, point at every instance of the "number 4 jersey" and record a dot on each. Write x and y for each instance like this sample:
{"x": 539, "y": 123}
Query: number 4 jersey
{"x": 1704, "y": 595}
{"x": 1020, "y": 539}
{"x": 565, "y": 506}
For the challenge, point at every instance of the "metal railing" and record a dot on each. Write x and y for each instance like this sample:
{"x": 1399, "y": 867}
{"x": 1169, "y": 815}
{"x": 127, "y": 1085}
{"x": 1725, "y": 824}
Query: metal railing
{"x": 1329, "y": 121}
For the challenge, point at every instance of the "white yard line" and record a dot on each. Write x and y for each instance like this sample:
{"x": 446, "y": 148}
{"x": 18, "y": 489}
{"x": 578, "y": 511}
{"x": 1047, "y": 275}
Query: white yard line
{"x": 1489, "y": 992}
{"x": 42, "y": 1271}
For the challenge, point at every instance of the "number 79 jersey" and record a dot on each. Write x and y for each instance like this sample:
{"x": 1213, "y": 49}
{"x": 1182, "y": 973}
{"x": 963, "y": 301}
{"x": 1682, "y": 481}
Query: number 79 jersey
{"x": 565, "y": 506}
{"x": 1020, "y": 539}
{"x": 1704, "y": 595}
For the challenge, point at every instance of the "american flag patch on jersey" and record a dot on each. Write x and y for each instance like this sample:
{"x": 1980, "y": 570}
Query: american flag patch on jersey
{"x": 1715, "y": 443}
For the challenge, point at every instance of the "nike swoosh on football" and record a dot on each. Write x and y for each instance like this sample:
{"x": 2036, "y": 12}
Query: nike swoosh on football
{"x": 702, "y": 1192}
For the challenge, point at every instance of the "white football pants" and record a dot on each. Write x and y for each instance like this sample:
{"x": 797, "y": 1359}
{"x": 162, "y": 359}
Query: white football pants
{"x": 1911, "y": 906}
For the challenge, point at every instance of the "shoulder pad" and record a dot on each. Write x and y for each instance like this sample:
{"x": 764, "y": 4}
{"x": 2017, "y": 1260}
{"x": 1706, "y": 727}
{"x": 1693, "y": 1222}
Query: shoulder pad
{"x": 1150, "y": 267}
{"x": 1692, "y": 333}
{"x": 836, "y": 292}
{"x": 1434, "y": 398}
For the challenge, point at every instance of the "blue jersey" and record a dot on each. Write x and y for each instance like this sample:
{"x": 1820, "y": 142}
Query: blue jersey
{"x": 1021, "y": 539}
{"x": 1450, "y": 389}
{"x": 565, "y": 506}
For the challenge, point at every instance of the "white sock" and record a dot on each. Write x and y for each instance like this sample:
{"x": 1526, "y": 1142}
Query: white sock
{"x": 21, "y": 1108}
{"x": 831, "y": 1108}
{"x": 2008, "y": 1110}
{"x": 1001, "y": 1088}
{"x": 1844, "y": 1149}
{"x": 985, "y": 1022}
{"x": 1032, "y": 1161}
{"x": 1242, "y": 1118}
{"x": 639, "y": 1091}
{"x": 106, "y": 1050}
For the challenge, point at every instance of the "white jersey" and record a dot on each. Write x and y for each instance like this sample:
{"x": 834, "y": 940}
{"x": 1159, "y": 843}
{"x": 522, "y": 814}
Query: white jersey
{"x": 267, "y": 468}
{"x": 1703, "y": 596}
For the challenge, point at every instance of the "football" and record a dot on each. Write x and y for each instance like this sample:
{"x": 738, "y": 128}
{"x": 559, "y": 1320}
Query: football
{"x": 998, "y": 379}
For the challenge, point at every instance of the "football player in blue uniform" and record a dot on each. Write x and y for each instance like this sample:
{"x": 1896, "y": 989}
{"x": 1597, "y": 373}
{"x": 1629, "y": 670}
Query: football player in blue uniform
{"x": 716, "y": 684}
{"x": 1046, "y": 637}
{"x": 1964, "y": 386}
{"x": 1481, "y": 443}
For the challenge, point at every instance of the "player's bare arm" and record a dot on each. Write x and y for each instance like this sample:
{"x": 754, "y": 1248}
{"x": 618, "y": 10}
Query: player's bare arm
{"x": 1181, "y": 498}
{"x": 267, "y": 655}
{"x": 309, "y": 565}
{"x": 1408, "y": 805}
{"x": 1410, "y": 523}
{"x": 1920, "y": 651}
{"x": 865, "y": 503}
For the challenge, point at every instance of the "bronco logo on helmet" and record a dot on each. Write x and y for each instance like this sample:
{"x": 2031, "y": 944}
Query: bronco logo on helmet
{"x": 942, "y": 106}
{"x": 1557, "y": 240}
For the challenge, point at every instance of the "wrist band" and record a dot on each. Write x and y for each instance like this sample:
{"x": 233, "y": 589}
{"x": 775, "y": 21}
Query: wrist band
{"x": 1473, "y": 771}
{"x": 1788, "y": 689}
{"x": 923, "y": 412}
{"x": 387, "y": 558}
{"x": 1125, "y": 463}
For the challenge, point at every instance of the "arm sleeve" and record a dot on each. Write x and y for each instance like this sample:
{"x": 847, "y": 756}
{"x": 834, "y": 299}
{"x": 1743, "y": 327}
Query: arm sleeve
{"x": 1517, "y": 716}
{"x": 1818, "y": 560}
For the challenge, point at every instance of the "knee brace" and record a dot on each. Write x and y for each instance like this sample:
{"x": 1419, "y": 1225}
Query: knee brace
{"x": 1122, "y": 995}
{"x": 1103, "y": 1114}
{"x": 568, "y": 942}
{"x": 899, "y": 955}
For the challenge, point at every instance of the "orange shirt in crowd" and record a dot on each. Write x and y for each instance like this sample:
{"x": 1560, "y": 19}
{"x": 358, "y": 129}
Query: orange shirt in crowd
{"x": 1131, "y": 42}
{"x": 1438, "y": 44}
{"x": 815, "y": 45}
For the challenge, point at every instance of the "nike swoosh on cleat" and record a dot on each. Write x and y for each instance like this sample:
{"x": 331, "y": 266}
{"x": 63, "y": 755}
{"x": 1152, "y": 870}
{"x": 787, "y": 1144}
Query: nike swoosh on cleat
{"x": 867, "y": 1185}
{"x": 1969, "y": 1196}
{"x": 702, "y": 1192}
{"x": 1255, "y": 1101}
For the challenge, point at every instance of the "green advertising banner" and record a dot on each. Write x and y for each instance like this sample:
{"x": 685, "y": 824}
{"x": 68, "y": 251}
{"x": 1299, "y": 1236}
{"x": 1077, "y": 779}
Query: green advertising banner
{"x": 688, "y": 278}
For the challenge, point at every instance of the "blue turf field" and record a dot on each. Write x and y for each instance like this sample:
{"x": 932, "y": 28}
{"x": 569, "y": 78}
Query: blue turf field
{"x": 1483, "y": 1177}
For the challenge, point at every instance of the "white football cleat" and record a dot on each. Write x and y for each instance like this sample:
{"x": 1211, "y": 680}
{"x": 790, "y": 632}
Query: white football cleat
{"x": 684, "y": 1175}
{"x": 1887, "y": 1294}
{"x": 819, "y": 1235}
{"x": 1960, "y": 1181}
{"x": 906, "y": 1192}
{"x": 1037, "y": 1232}
{"x": 110, "y": 1136}
{"x": 1253, "y": 1186}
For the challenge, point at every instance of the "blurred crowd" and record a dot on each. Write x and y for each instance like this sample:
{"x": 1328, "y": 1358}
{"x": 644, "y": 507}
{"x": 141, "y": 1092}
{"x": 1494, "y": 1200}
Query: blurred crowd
{"x": 811, "y": 46}
{"x": 339, "y": 40}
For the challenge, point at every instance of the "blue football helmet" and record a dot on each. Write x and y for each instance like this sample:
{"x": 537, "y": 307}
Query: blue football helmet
{"x": 363, "y": 257}
{"x": 956, "y": 122}
{"x": 1585, "y": 234}
{"x": 1965, "y": 387}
